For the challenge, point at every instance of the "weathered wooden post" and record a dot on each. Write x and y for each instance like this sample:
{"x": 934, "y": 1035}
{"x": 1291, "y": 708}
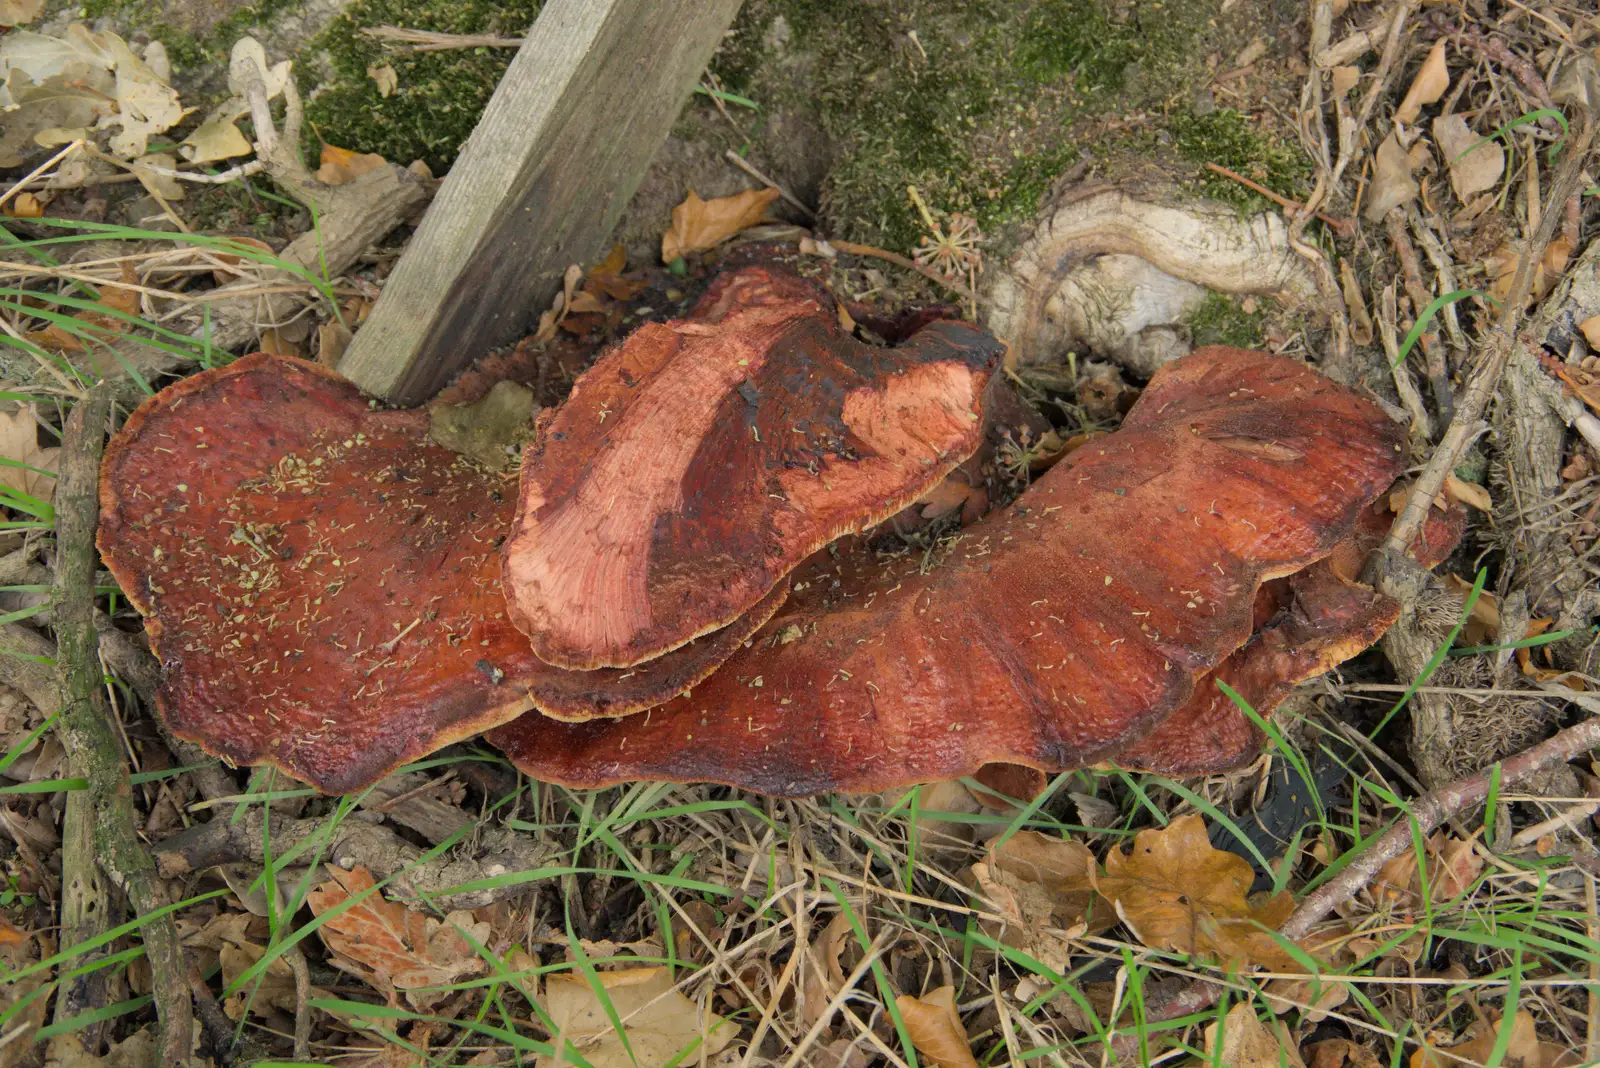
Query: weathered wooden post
{"x": 589, "y": 98}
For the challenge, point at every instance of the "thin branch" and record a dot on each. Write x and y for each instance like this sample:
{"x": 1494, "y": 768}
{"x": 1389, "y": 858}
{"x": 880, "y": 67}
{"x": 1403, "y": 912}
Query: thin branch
{"x": 94, "y": 751}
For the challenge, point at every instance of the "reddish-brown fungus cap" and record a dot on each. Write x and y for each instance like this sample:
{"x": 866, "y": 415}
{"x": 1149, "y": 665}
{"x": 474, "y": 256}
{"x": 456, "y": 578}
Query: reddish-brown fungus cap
{"x": 1323, "y": 618}
{"x": 1054, "y": 633}
{"x": 701, "y": 460}
{"x": 322, "y": 584}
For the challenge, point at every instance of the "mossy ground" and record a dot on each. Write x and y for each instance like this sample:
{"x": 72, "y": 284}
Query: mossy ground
{"x": 980, "y": 104}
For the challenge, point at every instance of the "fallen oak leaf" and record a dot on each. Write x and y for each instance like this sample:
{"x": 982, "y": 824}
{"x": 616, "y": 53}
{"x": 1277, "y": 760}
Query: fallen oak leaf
{"x": 1524, "y": 1048}
{"x": 1392, "y": 184}
{"x": 1176, "y": 891}
{"x": 935, "y": 1028}
{"x": 400, "y": 948}
{"x": 660, "y": 1026}
{"x": 1476, "y": 163}
{"x": 701, "y": 224}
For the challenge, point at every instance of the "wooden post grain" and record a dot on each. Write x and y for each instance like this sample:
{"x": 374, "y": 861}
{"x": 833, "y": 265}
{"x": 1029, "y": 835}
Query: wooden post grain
{"x": 589, "y": 98}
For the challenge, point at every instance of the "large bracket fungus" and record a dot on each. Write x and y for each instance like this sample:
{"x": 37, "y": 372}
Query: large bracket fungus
{"x": 322, "y": 583}
{"x": 702, "y": 460}
{"x": 332, "y": 593}
{"x": 1060, "y": 631}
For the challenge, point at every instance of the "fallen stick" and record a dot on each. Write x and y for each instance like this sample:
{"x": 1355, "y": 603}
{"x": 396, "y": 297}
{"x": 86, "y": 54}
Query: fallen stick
{"x": 911, "y": 265}
{"x": 94, "y": 752}
{"x": 1343, "y": 227}
{"x": 1411, "y": 272}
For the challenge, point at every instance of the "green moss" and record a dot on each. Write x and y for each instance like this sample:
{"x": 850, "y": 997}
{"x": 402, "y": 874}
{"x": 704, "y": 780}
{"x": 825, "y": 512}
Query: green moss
{"x": 974, "y": 102}
{"x": 1221, "y": 321}
{"x": 1227, "y": 138}
{"x": 440, "y": 95}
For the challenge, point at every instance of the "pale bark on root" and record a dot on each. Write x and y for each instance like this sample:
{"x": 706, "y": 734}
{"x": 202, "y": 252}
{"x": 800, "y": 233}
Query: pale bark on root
{"x": 1053, "y": 295}
{"x": 93, "y": 748}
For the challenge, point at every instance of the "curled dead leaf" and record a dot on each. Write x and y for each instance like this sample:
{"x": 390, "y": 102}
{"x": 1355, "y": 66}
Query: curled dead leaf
{"x": 384, "y": 77}
{"x": 1427, "y": 87}
{"x": 822, "y": 973}
{"x": 935, "y": 1028}
{"x": 701, "y": 224}
{"x": 1591, "y": 331}
{"x": 1524, "y": 1048}
{"x": 1475, "y": 163}
{"x": 1392, "y": 184}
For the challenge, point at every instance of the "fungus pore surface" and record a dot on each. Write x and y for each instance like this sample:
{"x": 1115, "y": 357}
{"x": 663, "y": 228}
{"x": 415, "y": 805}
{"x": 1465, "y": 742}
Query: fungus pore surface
{"x": 701, "y": 460}
{"x": 322, "y": 584}
{"x": 1056, "y": 632}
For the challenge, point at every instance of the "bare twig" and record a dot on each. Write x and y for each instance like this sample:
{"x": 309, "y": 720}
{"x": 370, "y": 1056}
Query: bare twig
{"x": 1411, "y": 271}
{"x": 93, "y": 750}
{"x": 745, "y": 165}
{"x": 430, "y": 41}
{"x": 1343, "y": 227}
{"x": 911, "y": 265}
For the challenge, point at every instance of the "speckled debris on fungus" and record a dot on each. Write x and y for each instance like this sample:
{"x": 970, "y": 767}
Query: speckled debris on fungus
{"x": 1056, "y": 633}
{"x": 322, "y": 583}
{"x": 703, "y": 459}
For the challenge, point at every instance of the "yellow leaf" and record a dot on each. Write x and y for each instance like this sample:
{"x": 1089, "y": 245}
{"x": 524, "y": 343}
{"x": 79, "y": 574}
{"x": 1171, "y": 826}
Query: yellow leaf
{"x": 1177, "y": 892}
{"x": 659, "y": 1022}
{"x": 16, "y": 12}
{"x": 340, "y": 165}
{"x": 1427, "y": 87}
{"x": 19, "y": 441}
{"x": 701, "y": 224}
{"x": 1240, "y": 1040}
{"x": 1468, "y": 493}
{"x": 935, "y": 1028}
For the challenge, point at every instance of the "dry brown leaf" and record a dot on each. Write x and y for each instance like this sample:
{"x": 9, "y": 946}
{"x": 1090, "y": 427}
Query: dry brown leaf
{"x": 822, "y": 976}
{"x": 1178, "y": 892}
{"x": 660, "y": 1023}
{"x": 1475, "y": 164}
{"x": 936, "y": 1029}
{"x": 1501, "y": 266}
{"x": 400, "y": 948}
{"x": 1468, "y": 493}
{"x": 161, "y": 185}
{"x": 102, "y": 320}
{"x": 936, "y": 801}
{"x": 333, "y": 337}
{"x": 1427, "y": 87}
{"x": 1338, "y": 1052}
{"x": 1345, "y": 79}
{"x": 275, "y": 342}
{"x": 385, "y": 78}
{"x": 1355, "y": 303}
{"x": 606, "y": 278}
{"x": 701, "y": 224}
{"x": 340, "y": 166}
{"x": 1483, "y": 625}
{"x": 19, "y": 441}
{"x": 1525, "y": 1049}
{"x": 274, "y": 993}
{"x": 1239, "y": 1040}
{"x": 1319, "y": 997}
{"x": 1591, "y": 331}
{"x": 1392, "y": 184}
{"x": 1452, "y": 867}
